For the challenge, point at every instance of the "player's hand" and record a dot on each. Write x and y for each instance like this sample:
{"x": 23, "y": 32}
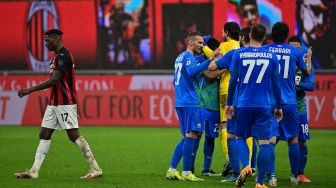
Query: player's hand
{"x": 310, "y": 52}
{"x": 215, "y": 54}
{"x": 278, "y": 114}
{"x": 23, "y": 92}
{"x": 229, "y": 112}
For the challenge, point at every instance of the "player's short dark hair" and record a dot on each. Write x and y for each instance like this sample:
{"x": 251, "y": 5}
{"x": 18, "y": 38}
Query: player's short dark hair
{"x": 248, "y": 2}
{"x": 53, "y": 32}
{"x": 193, "y": 34}
{"x": 245, "y": 33}
{"x": 258, "y": 32}
{"x": 294, "y": 39}
{"x": 212, "y": 43}
{"x": 280, "y": 32}
{"x": 233, "y": 30}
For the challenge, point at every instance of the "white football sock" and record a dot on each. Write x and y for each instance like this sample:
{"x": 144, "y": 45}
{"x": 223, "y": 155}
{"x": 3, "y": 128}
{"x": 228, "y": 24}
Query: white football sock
{"x": 40, "y": 155}
{"x": 84, "y": 147}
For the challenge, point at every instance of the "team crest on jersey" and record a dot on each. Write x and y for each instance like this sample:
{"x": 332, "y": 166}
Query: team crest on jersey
{"x": 51, "y": 68}
{"x": 199, "y": 125}
{"x": 188, "y": 62}
{"x": 45, "y": 11}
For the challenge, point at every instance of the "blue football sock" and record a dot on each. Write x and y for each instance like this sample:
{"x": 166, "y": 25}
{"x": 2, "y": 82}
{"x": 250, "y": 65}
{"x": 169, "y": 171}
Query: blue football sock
{"x": 303, "y": 158}
{"x": 254, "y": 154}
{"x": 177, "y": 156}
{"x": 192, "y": 168}
{"x": 209, "y": 145}
{"x": 294, "y": 157}
{"x": 233, "y": 155}
{"x": 271, "y": 165}
{"x": 263, "y": 161}
{"x": 188, "y": 153}
{"x": 243, "y": 151}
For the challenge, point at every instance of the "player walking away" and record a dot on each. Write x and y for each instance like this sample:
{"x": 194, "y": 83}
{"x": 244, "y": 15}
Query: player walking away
{"x": 303, "y": 83}
{"x": 289, "y": 58}
{"x": 255, "y": 68}
{"x": 61, "y": 113}
{"x": 187, "y": 105}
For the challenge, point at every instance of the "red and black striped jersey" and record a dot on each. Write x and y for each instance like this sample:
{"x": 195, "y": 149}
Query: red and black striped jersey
{"x": 64, "y": 92}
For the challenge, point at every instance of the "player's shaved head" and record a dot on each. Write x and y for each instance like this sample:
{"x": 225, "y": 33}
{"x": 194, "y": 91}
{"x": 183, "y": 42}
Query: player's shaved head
{"x": 191, "y": 35}
{"x": 258, "y": 32}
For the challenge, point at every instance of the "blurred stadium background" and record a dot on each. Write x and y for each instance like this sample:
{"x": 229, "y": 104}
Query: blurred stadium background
{"x": 124, "y": 52}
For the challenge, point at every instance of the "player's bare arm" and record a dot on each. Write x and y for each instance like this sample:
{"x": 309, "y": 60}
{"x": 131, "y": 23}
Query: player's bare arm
{"x": 308, "y": 61}
{"x": 212, "y": 66}
{"x": 57, "y": 75}
{"x": 213, "y": 74}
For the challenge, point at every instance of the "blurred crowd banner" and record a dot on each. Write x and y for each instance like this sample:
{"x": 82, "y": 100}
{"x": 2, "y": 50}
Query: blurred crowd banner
{"x": 133, "y": 101}
{"x": 149, "y": 34}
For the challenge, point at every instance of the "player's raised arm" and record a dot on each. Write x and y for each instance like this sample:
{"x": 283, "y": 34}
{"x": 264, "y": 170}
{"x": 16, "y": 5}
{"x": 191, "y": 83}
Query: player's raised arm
{"x": 305, "y": 67}
{"x": 193, "y": 68}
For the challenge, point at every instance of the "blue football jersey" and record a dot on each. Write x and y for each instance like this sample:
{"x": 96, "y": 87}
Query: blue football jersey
{"x": 225, "y": 61}
{"x": 256, "y": 69}
{"x": 289, "y": 58}
{"x": 186, "y": 81}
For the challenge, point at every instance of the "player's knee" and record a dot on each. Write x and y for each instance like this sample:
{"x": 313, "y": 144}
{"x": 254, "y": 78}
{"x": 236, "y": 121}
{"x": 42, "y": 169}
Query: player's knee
{"x": 293, "y": 140}
{"x": 193, "y": 134}
{"x": 73, "y": 134}
{"x": 45, "y": 134}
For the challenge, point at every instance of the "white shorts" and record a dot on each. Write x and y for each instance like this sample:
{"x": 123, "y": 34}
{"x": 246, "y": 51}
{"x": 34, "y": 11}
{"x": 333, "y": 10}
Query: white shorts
{"x": 60, "y": 117}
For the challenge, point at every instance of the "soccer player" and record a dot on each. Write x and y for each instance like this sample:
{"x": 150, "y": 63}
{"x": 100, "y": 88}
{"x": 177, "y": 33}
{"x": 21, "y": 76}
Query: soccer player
{"x": 61, "y": 113}
{"x": 209, "y": 98}
{"x": 303, "y": 83}
{"x": 187, "y": 105}
{"x": 289, "y": 58}
{"x": 230, "y": 35}
{"x": 223, "y": 63}
{"x": 255, "y": 68}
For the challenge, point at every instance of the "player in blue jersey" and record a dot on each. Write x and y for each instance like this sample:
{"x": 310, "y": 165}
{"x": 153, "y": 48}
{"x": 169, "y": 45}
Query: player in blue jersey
{"x": 289, "y": 58}
{"x": 224, "y": 63}
{"x": 303, "y": 83}
{"x": 255, "y": 68}
{"x": 210, "y": 106}
{"x": 187, "y": 105}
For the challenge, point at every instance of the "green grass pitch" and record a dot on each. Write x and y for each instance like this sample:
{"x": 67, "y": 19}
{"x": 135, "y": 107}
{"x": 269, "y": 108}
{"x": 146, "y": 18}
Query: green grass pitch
{"x": 138, "y": 157}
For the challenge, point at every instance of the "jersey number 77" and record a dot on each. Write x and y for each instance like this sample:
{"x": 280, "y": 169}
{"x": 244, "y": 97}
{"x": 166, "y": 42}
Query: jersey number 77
{"x": 251, "y": 63}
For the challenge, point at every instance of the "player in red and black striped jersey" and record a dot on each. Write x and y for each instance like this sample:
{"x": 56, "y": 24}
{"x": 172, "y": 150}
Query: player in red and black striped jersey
{"x": 64, "y": 91}
{"x": 61, "y": 113}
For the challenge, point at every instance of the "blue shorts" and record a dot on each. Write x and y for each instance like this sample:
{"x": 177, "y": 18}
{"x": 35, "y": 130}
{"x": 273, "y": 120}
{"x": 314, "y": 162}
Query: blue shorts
{"x": 304, "y": 133}
{"x": 253, "y": 121}
{"x": 211, "y": 122}
{"x": 289, "y": 125}
{"x": 274, "y": 124}
{"x": 190, "y": 119}
{"x": 230, "y": 123}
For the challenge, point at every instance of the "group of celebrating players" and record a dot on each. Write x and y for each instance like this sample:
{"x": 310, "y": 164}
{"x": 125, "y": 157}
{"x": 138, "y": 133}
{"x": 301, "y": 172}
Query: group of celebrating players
{"x": 249, "y": 92}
